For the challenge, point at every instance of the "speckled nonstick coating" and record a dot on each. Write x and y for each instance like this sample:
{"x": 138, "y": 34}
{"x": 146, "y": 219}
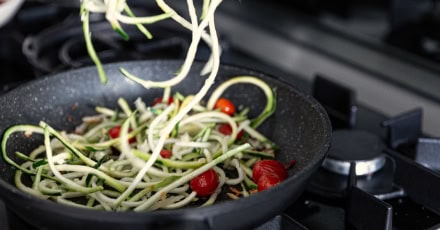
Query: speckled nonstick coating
{"x": 300, "y": 127}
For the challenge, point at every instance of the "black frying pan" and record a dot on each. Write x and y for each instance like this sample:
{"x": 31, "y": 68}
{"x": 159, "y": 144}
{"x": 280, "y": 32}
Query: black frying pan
{"x": 300, "y": 127}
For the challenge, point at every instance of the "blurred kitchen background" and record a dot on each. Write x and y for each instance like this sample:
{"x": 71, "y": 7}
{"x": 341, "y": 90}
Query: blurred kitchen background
{"x": 388, "y": 51}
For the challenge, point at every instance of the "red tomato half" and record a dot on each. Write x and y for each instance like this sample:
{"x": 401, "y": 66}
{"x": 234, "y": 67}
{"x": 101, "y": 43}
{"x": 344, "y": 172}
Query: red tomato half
{"x": 264, "y": 167}
{"x": 268, "y": 180}
{"x": 205, "y": 183}
{"x": 226, "y": 129}
{"x": 225, "y": 105}
{"x": 115, "y": 131}
{"x": 165, "y": 153}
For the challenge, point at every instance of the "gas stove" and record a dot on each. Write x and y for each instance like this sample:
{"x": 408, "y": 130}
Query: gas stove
{"x": 383, "y": 168}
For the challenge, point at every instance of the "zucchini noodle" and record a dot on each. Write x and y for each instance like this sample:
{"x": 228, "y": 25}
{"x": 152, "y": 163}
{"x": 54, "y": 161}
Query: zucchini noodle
{"x": 95, "y": 169}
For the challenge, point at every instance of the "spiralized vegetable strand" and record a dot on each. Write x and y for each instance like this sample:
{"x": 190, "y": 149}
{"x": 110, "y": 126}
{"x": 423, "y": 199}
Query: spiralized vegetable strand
{"x": 191, "y": 175}
{"x": 57, "y": 173}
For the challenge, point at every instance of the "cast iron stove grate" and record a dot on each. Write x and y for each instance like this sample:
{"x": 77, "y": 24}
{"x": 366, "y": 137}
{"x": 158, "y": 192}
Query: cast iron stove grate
{"x": 401, "y": 194}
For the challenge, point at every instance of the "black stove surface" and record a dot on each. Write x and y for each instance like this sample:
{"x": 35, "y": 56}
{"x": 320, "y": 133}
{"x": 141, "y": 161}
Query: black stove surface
{"x": 403, "y": 194}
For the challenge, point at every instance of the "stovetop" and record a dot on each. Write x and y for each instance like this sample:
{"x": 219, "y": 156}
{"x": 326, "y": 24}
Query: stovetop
{"x": 382, "y": 171}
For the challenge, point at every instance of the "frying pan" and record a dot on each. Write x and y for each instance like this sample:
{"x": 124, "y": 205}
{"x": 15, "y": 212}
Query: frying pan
{"x": 300, "y": 127}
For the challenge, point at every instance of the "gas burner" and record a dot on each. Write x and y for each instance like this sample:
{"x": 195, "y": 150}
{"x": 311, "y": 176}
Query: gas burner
{"x": 373, "y": 169}
{"x": 355, "y": 146}
{"x": 61, "y": 46}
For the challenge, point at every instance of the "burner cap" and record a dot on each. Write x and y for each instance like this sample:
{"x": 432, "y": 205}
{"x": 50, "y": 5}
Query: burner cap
{"x": 358, "y": 146}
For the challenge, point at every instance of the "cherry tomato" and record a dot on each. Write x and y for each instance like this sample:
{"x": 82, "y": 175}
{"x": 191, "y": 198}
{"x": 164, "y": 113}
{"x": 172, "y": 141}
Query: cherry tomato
{"x": 225, "y": 106}
{"x": 115, "y": 131}
{"x": 205, "y": 183}
{"x": 159, "y": 100}
{"x": 268, "y": 180}
{"x": 165, "y": 153}
{"x": 264, "y": 167}
{"x": 226, "y": 129}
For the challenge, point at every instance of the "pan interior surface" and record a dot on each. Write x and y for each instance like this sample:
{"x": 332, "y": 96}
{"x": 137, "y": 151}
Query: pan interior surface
{"x": 300, "y": 127}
